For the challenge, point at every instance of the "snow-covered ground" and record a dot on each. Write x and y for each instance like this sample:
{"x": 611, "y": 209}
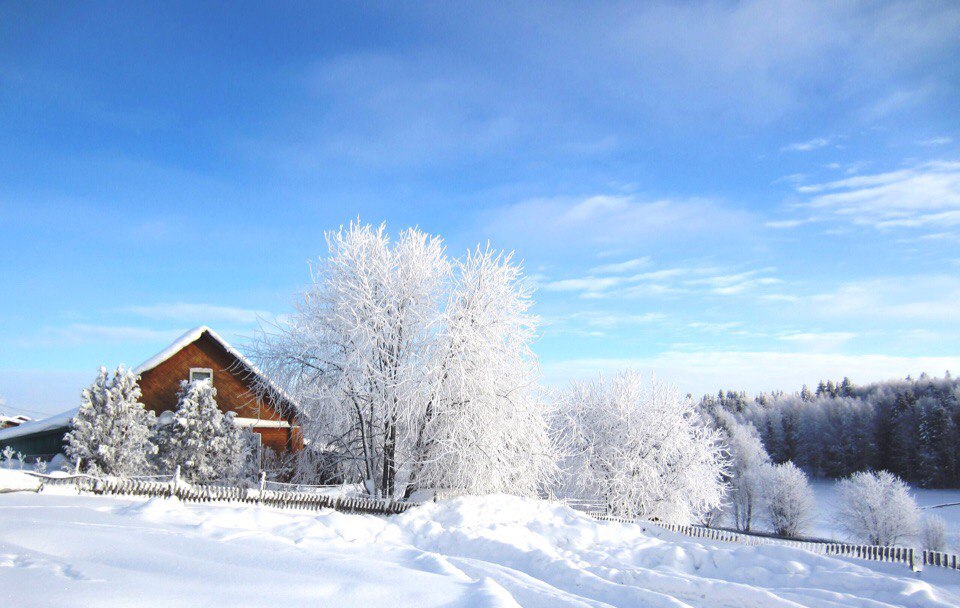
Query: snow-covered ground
{"x": 825, "y": 494}
{"x": 61, "y": 549}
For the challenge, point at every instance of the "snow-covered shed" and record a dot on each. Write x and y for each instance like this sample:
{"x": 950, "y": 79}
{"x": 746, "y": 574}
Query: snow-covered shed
{"x": 198, "y": 354}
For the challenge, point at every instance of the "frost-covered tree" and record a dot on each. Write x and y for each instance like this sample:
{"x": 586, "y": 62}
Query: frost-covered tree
{"x": 414, "y": 369}
{"x": 876, "y": 508}
{"x": 641, "y": 449}
{"x": 749, "y": 463}
{"x": 111, "y": 432}
{"x": 484, "y": 428}
{"x": 788, "y": 500}
{"x": 933, "y": 533}
{"x": 199, "y": 438}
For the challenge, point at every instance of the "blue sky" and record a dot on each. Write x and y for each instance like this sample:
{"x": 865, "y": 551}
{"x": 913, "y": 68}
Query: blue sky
{"x": 740, "y": 194}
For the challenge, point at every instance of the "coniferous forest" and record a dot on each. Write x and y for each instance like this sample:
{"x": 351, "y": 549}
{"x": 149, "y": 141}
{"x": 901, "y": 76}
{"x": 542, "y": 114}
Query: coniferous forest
{"x": 909, "y": 427}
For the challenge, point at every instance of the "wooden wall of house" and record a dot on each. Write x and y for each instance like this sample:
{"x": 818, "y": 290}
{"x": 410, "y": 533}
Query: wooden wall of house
{"x": 161, "y": 384}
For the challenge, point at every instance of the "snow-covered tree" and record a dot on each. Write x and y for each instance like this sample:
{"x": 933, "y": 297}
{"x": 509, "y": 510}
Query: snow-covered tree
{"x": 788, "y": 500}
{"x": 111, "y": 432}
{"x": 641, "y": 449}
{"x": 414, "y": 369}
{"x": 749, "y": 463}
{"x": 484, "y": 428}
{"x": 877, "y": 508}
{"x": 199, "y": 438}
{"x": 933, "y": 533}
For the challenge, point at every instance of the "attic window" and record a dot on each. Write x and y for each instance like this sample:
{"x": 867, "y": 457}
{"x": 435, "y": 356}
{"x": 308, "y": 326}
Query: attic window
{"x": 201, "y": 373}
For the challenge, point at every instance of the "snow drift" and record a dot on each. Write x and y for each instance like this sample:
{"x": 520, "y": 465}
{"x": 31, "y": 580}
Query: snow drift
{"x": 69, "y": 550}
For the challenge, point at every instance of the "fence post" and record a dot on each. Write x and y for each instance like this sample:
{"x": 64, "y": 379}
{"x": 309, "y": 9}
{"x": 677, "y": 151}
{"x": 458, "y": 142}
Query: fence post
{"x": 263, "y": 485}
{"x": 913, "y": 559}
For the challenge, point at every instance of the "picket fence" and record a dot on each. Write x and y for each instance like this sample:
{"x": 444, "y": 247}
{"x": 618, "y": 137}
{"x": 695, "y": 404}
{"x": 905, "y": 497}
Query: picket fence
{"x": 309, "y": 499}
{"x": 175, "y": 487}
{"x": 914, "y": 558}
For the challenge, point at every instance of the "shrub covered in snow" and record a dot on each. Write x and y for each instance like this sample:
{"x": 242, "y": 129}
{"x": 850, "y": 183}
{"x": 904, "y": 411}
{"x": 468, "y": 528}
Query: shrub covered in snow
{"x": 933, "y": 533}
{"x": 111, "y": 432}
{"x": 877, "y": 508}
{"x": 200, "y": 439}
{"x": 788, "y": 500}
{"x": 641, "y": 449}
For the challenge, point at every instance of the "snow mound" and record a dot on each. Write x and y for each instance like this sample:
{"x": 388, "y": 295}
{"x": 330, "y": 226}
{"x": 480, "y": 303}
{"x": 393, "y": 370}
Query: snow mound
{"x": 496, "y": 551}
{"x": 17, "y": 481}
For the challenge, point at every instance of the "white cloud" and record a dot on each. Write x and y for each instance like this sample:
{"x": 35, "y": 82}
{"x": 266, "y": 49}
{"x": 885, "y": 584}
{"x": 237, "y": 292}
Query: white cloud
{"x": 781, "y": 224}
{"x": 197, "y": 314}
{"x": 753, "y": 371}
{"x": 620, "y": 267}
{"x": 806, "y": 146}
{"x": 730, "y": 284}
{"x": 918, "y": 298}
{"x": 612, "y": 220}
{"x": 924, "y": 196}
{"x": 666, "y": 281}
{"x": 936, "y": 141}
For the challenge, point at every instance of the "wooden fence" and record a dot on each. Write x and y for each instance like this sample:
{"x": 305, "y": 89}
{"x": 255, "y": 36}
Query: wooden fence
{"x": 307, "y": 499}
{"x": 914, "y": 558}
{"x": 175, "y": 487}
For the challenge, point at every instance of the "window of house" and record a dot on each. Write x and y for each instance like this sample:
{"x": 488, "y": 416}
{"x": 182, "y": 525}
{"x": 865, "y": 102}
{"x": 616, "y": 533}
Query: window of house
{"x": 201, "y": 373}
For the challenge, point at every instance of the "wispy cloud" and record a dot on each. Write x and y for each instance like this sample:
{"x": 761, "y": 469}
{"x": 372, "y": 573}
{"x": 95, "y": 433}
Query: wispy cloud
{"x": 625, "y": 266}
{"x": 200, "y": 314}
{"x": 927, "y": 298}
{"x": 806, "y": 146}
{"x": 924, "y": 196}
{"x": 612, "y": 220}
{"x": 936, "y": 141}
{"x": 666, "y": 281}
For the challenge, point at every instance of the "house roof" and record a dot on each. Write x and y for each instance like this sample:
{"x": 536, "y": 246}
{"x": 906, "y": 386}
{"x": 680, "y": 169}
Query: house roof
{"x": 63, "y": 419}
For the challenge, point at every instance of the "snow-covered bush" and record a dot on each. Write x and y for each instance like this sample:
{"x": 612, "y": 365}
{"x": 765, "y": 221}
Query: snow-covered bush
{"x": 111, "y": 432}
{"x": 199, "y": 438}
{"x": 11, "y": 459}
{"x": 933, "y": 533}
{"x": 641, "y": 449}
{"x": 788, "y": 500}
{"x": 877, "y": 508}
{"x": 749, "y": 463}
{"x": 415, "y": 369}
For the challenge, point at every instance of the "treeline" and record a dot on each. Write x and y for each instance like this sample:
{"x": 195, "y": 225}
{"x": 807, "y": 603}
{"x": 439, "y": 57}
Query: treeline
{"x": 909, "y": 427}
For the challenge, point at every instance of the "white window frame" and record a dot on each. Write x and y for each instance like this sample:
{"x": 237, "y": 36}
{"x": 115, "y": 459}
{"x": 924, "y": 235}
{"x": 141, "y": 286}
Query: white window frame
{"x": 202, "y": 370}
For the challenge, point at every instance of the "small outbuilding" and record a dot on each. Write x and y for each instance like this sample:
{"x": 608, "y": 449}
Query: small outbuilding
{"x": 197, "y": 355}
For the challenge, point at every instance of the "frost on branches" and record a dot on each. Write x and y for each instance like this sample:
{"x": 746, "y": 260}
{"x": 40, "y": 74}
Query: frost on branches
{"x": 200, "y": 439}
{"x": 877, "y": 508}
{"x": 414, "y": 370}
{"x": 641, "y": 449}
{"x": 111, "y": 431}
{"x": 788, "y": 499}
{"x": 749, "y": 463}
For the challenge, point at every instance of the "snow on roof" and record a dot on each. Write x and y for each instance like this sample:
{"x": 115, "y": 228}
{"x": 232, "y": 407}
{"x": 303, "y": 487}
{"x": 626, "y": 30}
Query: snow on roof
{"x": 192, "y": 336}
{"x": 61, "y": 420}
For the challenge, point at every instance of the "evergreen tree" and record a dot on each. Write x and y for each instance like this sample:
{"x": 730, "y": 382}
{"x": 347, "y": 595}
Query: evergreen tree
{"x": 111, "y": 432}
{"x": 199, "y": 438}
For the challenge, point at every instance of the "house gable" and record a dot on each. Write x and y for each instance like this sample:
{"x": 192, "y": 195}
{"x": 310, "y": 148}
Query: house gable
{"x": 234, "y": 379}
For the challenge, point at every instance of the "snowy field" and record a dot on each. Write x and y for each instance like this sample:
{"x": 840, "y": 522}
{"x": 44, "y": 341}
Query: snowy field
{"x": 825, "y": 496}
{"x": 61, "y": 549}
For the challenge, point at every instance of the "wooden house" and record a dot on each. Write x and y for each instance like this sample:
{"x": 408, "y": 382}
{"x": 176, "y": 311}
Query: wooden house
{"x": 198, "y": 354}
